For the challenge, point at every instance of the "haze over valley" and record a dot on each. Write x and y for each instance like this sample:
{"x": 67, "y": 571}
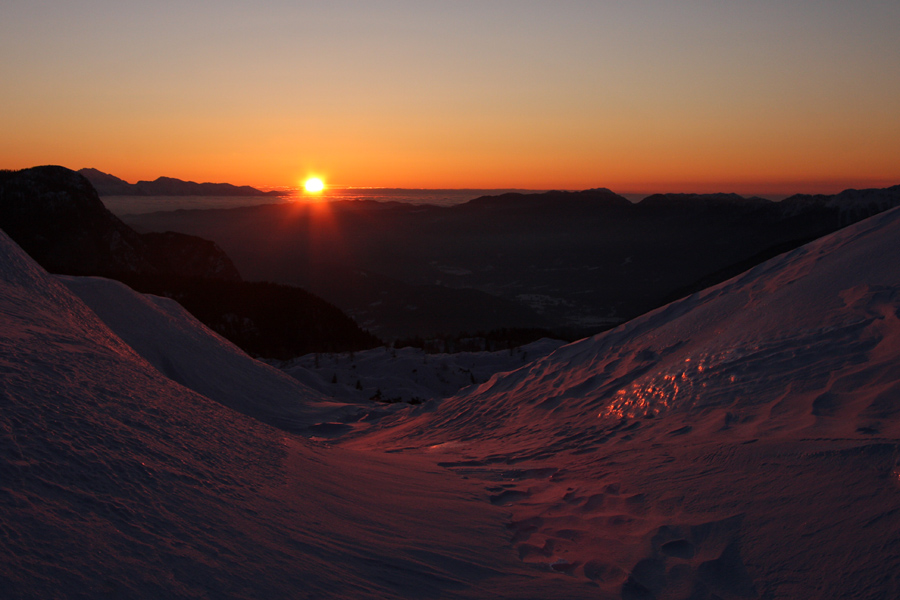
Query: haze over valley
{"x": 417, "y": 300}
{"x": 573, "y": 263}
{"x": 739, "y": 442}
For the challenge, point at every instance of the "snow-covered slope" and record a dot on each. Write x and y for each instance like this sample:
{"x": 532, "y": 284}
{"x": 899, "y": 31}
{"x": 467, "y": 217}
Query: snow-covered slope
{"x": 407, "y": 374}
{"x": 116, "y": 481}
{"x": 741, "y": 442}
{"x": 802, "y": 331}
{"x": 185, "y": 351}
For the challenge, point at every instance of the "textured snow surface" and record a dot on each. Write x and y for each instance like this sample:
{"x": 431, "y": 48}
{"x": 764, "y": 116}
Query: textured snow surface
{"x": 185, "y": 351}
{"x": 792, "y": 329}
{"x": 739, "y": 443}
{"x": 118, "y": 482}
{"x": 407, "y": 374}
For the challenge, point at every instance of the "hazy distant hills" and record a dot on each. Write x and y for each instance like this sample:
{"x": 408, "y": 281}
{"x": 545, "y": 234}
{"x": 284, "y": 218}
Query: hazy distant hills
{"x": 741, "y": 443}
{"x": 110, "y": 185}
{"x": 55, "y": 215}
{"x": 579, "y": 261}
{"x": 572, "y": 262}
{"x": 738, "y": 443}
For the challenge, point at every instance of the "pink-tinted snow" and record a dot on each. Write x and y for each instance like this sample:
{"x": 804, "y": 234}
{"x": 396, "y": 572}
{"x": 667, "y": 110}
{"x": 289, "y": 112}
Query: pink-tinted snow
{"x": 116, "y": 481}
{"x": 739, "y": 443}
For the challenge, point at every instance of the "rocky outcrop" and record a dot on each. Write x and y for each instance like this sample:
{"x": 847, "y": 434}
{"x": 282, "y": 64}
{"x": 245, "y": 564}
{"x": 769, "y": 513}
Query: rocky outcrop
{"x": 57, "y": 217}
{"x": 189, "y": 256}
{"x": 848, "y": 206}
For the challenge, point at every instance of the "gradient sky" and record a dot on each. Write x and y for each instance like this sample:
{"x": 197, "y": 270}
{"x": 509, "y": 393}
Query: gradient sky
{"x": 758, "y": 96}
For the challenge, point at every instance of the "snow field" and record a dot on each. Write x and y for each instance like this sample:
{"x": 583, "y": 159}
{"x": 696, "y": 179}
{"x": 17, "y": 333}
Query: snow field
{"x": 743, "y": 442}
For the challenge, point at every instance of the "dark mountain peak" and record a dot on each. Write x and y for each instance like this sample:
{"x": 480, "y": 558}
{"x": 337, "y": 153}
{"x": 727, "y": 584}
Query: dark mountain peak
{"x": 106, "y": 184}
{"x": 57, "y": 217}
{"x": 110, "y": 185}
{"x": 170, "y": 186}
{"x": 850, "y": 205}
{"x": 167, "y": 186}
{"x": 702, "y": 201}
{"x": 594, "y": 194}
{"x": 554, "y": 199}
{"x": 94, "y": 175}
{"x": 168, "y": 181}
{"x": 51, "y": 184}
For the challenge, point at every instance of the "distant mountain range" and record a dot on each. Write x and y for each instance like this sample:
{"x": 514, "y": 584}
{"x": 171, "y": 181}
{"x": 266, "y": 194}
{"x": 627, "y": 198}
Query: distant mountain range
{"x": 110, "y": 185}
{"x": 572, "y": 262}
{"x": 740, "y": 443}
{"x": 55, "y": 215}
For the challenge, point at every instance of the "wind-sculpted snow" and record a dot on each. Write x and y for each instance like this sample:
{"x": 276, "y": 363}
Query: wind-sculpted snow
{"x": 118, "y": 482}
{"x": 408, "y": 375}
{"x": 788, "y": 327}
{"x": 743, "y": 442}
{"x": 186, "y": 352}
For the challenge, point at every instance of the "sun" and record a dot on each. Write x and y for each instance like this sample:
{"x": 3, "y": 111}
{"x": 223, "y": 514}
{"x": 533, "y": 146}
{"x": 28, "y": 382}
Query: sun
{"x": 313, "y": 185}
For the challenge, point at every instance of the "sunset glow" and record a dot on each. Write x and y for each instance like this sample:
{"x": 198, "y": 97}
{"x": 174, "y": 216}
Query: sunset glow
{"x": 313, "y": 185}
{"x": 764, "y": 97}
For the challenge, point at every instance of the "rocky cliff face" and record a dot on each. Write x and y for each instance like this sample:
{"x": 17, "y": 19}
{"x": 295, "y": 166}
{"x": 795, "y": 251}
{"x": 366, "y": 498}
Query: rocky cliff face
{"x": 56, "y": 216}
{"x": 189, "y": 256}
{"x": 848, "y": 206}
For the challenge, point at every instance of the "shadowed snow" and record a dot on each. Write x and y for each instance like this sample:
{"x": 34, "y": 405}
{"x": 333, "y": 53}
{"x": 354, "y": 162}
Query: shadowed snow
{"x": 186, "y": 352}
{"x": 116, "y": 481}
{"x": 739, "y": 443}
{"x": 407, "y": 374}
{"x": 743, "y": 442}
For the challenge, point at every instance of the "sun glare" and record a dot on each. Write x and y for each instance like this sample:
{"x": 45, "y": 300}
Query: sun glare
{"x": 314, "y": 185}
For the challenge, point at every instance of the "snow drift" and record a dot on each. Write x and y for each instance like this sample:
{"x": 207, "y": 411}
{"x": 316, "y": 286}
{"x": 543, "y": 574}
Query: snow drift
{"x": 185, "y": 351}
{"x": 739, "y": 443}
{"x": 116, "y": 481}
{"x": 813, "y": 333}
{"x": 408, "y": 375}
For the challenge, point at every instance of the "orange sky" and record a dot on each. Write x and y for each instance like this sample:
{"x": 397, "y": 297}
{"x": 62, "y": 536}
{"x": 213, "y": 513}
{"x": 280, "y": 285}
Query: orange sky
{"x": 702, "y": 96}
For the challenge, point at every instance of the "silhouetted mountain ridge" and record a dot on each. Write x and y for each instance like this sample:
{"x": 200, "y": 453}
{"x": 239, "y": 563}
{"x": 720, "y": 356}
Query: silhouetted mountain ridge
{"x": 579, "y": 261}
{"x": 56, "y": 216}
{"x": 110, "y": 185}
{"x": 703, "y": 201}
{"x": 850, "y": 205}
{"x": 556, "y": 199}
